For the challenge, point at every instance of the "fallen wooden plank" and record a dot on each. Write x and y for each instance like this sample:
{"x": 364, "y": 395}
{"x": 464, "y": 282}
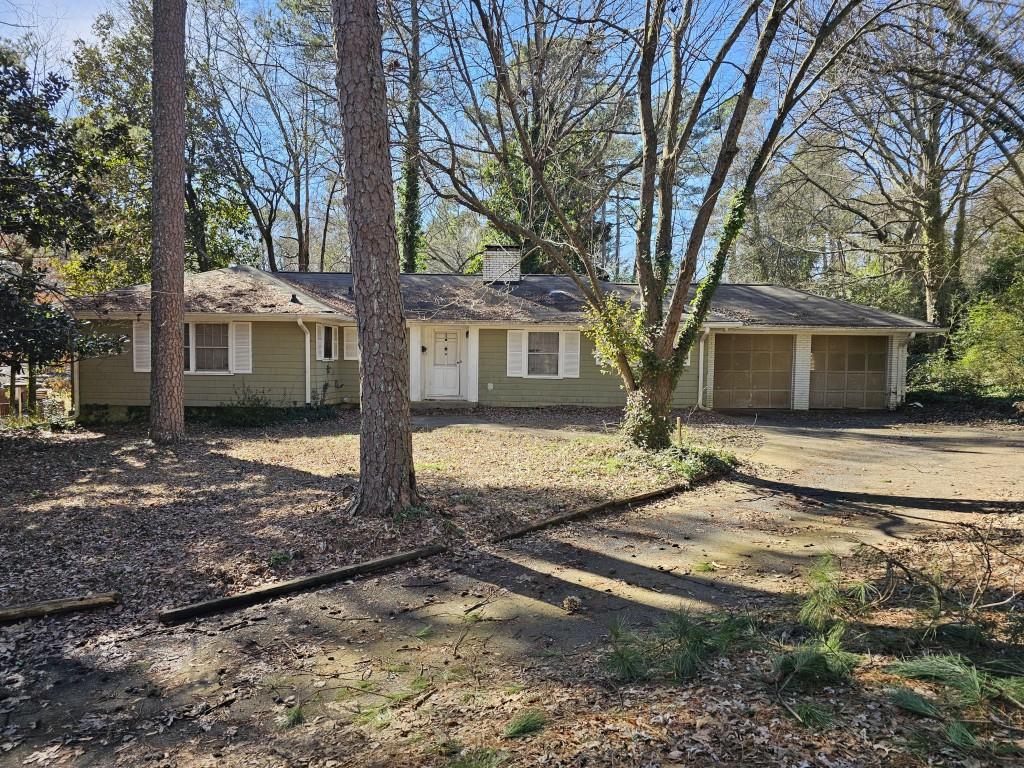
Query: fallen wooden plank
{"x": 568, "y": 517}
{"x": 60, "y": 605}
{"x": 258, "y": 595}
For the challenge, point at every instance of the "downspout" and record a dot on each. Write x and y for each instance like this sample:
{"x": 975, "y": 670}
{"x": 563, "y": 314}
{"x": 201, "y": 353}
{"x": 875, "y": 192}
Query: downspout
{"x": 305, "y": 330}
{"x": 700, "y": 369}
{"x": 74, "y": 390}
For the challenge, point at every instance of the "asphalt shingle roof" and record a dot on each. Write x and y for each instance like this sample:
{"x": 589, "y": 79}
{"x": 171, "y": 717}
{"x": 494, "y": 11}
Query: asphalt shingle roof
{"x": 549, "y": 299}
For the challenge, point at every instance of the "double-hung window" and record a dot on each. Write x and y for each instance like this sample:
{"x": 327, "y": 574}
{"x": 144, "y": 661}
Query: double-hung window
{"x": 326, "y": 342}
{"x": 542, "y": 353}
{"x": 208, "y": 347}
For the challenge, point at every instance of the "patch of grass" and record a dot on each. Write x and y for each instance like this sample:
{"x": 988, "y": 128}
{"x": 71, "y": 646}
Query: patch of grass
{"x": 689, "y": 462}
{"x": 824, "y": 601}
{"x": 409, "y": 515}
{"x": 431, "y": 466}
{"x": 515, "y": 688}
{"x": 626, "y": 660}
{"x": 293, "y": 716}
{"x": 706, "y": 567}
{"x": 678, "y": 647}
{"x": 911, "y": 701}
{"x": 526, "y": 722}
{"x": 377, "y": 717}
{"x": 819, "y": 661}
{"x": 812, "y": 716}
{"x": 971, "y": 684}
{"x": 279, "y": 558}
{"x": 477, "y": 758}
{"x": 448, "y": 747}
{"x": 424, "y": 632}
{"x": 960, "y": 735}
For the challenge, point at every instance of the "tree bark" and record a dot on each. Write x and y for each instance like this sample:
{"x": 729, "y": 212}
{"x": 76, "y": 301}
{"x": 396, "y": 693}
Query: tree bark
{"x": 387, "y": 483}
{"x": 167, "y": 381}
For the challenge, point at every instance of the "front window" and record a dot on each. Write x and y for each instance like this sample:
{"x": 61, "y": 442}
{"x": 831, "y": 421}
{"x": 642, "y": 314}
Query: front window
{"x": 210, "y": 346}
{"x": 188, "y": 348}
{"x": 329, "y": 343}
{"x": 542, "y": 353}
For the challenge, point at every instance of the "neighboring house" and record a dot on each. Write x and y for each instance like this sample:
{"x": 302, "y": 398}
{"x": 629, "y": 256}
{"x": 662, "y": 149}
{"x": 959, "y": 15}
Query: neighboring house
{"x": 497, "y": 339}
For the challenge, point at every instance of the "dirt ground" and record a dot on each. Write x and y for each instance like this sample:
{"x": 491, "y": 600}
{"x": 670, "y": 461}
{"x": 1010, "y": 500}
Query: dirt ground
{"x": 427, "y": 665}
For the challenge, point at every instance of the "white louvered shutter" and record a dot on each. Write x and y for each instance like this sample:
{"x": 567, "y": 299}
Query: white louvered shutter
{"x": 334, "y": 342}
{"x": 570, "y": 347}
{"x": 241, "y": 347}
{"x": 319, "y": 342}
{"x": 515, "y": 352}
{"x": 141, "y": 346}
{"x": 351, "y": 345}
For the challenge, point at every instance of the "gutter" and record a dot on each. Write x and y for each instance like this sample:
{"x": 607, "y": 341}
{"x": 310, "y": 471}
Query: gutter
{"x": 305, "y": 330}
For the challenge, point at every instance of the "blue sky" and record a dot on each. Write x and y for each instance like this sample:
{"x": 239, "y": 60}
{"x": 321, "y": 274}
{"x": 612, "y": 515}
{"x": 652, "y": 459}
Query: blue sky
{"x": 62, "y": 21}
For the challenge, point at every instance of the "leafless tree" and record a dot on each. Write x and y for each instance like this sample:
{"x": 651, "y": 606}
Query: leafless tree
{"x": 274, "y": 128}
{"x": 917, "y": 157}
{"x": 387, "y": 482}
{"x": 681, "y": 79}
{"x": 167, "y": 403}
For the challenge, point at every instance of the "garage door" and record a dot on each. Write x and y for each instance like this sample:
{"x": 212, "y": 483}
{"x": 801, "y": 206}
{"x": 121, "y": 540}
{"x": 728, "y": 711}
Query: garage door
{"x": 753, "y": 370}
{"x": 848, "y": 371}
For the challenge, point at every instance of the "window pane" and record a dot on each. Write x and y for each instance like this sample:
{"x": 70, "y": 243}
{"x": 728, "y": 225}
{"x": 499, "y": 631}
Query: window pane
{"x": 211, "y": 334}
{"x": 328, "y": 343}
{"x": 211, "y": 359}
{"x": 542, "y": 353}
{"x": 543, "y": 342}
{"x": 188, "y": 351}
{"x": 211, "y": 346}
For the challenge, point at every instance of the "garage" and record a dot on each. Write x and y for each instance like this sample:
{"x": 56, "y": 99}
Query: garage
{"x": 848, "y": 371}
{"x": 753, "y": 370}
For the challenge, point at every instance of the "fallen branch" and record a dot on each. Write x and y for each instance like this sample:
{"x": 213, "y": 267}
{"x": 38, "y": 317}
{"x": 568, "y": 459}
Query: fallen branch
{"x": 61, "y": 605}
{"x": 260, "y": 594}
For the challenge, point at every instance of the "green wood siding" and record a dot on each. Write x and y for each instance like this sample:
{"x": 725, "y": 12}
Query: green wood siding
{"x": 334, "y": 382}
{"x": 278, "y": 366}
{"x": 593, "y": 387}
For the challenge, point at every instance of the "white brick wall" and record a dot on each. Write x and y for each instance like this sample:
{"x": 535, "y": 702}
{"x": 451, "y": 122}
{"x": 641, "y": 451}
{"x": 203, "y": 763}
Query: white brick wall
{"x": 501, "y": 265}
{"x": 801, "y": 372}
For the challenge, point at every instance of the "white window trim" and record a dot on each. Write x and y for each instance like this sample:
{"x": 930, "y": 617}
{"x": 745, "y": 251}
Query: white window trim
{"x": 191, "y": 371}
{"x": 526, "y": 355}
{"x": 347, "y": 331}
{"x": 525, "y": 352}
{"x": 321, "y": 339}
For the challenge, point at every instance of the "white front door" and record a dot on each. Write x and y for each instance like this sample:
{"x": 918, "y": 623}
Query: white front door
{"x": 444, "y": 364}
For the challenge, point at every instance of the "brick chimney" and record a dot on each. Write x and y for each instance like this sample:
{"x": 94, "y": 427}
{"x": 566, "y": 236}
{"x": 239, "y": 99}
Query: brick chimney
{"x": 502, "y": 264}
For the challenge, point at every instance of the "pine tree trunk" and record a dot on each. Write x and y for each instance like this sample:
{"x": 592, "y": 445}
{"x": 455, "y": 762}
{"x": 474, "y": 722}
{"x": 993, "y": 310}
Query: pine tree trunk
{"x": 387, "y": 483}
{"x": 167, "y": 381}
